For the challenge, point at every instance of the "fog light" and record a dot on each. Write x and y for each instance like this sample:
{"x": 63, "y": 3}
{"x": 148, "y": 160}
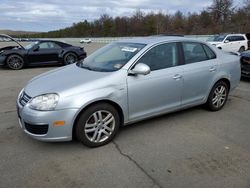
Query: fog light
{"x": 59, "y": 123}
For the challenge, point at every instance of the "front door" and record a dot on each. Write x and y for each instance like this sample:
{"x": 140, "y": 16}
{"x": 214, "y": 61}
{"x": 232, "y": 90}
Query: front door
{"x": 44, "y": 52}
{"x": 160, "y": 90}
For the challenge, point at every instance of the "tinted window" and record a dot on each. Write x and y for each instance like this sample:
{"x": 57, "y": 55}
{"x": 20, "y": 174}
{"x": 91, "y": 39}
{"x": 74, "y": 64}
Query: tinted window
{"x": 194, "y": 52}
{"x": 239, "y": 38}
{"x": 209, "y": 52}
{"x": 230, "y": 38}
{"x": 161, "y": 57}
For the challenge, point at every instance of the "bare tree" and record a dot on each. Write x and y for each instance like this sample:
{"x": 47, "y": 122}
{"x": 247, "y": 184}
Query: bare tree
{"x": 221, "y": 10}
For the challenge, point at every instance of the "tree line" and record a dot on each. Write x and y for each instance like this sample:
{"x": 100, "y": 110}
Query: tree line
{"x": 220, "y": 17}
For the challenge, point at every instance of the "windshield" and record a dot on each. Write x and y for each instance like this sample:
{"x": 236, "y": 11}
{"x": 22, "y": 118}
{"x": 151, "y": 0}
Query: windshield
{"x": 31, "y": 45}
{"x": 218, "y": 38}
{"x": 111, "y": 57}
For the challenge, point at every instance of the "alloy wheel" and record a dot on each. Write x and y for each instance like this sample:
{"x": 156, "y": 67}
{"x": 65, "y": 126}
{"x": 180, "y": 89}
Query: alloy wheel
{"x": 219, "y": 96}
{"x": 70, "y": 58}
{"x": 99, "y": 126}
{"x": 15, "y": 62}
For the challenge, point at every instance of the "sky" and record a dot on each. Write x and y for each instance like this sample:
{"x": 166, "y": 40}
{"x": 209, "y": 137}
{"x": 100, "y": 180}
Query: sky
{"x": 47, "y": 15}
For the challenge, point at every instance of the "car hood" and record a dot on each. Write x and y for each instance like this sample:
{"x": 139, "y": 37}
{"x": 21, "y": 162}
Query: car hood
{"x": 66, "y": 81}
{"x": 246, "y": 54}
{"x": 12, "y": 39}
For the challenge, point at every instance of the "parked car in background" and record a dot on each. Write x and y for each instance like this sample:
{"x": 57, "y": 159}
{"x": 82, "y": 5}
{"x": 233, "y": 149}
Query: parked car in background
{"x": 42, "y": 52}
{"x": 86, "y": 41}
{"x": 245, "y": 64}
{"x": 125, "y": 82}
{"x": 248, "y": 38}
{"x": 230, "y": 42}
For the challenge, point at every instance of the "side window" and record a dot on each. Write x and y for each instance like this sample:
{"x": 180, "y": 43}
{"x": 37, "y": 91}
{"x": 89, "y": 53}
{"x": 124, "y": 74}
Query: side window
{"x": 48, "y": 45}
{"x": 44, "y": 45}
{"x": 161, "y": 57}
{"x": 230, "y": 38}
{"x": 240, "y": 38}
{"x": 209, "y": 52}
{"x": 235, "y": 38}
{"x": 54, "y": 45}
{"x": 194, "y": 52}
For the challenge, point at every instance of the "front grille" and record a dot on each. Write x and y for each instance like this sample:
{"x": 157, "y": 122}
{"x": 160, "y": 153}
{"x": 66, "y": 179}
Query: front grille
{"x": 36, "y": 129}
{"x": 24, "y": 99}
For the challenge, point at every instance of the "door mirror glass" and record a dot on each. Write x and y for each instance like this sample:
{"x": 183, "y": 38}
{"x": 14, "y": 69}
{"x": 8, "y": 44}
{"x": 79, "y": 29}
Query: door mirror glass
{"x": 140, "y": 68}
{"x": 226, "y": 41}
{"x": 36, "y": 48}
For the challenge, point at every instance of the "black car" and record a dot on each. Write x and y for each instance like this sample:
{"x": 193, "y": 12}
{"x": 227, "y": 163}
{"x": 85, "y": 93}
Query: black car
{"x": 245, "y": 64}
{"x": 38, "y": 53}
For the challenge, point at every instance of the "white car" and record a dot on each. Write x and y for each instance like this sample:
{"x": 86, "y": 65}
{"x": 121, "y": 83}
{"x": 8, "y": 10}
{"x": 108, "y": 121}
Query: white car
{"x": 85, "y": 41}
{"x": 230, "y": 42}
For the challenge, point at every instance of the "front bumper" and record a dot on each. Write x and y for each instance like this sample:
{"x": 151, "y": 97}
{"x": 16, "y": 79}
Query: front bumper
{"x": 40, "y": 124}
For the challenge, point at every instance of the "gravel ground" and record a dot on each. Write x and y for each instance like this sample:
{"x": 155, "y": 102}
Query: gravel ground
{"x": 190, "y": 148}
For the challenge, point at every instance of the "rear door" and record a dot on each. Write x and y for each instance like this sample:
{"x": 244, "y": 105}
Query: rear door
{"x": 199, "y": 71}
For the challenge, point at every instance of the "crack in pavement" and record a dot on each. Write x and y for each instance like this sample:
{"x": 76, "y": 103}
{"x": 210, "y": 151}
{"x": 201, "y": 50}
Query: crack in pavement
{"x": 7, "y": 112}
{"x": 238, "y": 97}
{"x": 137, "y": 165}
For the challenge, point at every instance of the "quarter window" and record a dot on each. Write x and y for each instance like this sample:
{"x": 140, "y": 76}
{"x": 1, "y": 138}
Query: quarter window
{"x": 209, "y": 52}
{"x": 161, "y": 57}
{"x": 194, "y": 52}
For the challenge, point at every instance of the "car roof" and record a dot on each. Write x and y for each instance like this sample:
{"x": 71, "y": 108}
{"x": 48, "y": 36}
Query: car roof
{"x": 156, "y": 39}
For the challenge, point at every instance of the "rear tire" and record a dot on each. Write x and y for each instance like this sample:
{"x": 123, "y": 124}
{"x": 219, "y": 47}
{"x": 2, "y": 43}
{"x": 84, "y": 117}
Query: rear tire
{"x": 97, "y": 125}
{"x": 69, "y": 58}
{"x": 242, "y": 49}
{"x": 15, "y": 62}
{"x": 218, "y": 96}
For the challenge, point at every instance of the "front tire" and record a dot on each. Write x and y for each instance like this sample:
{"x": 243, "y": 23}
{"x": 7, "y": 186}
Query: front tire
{"x": 15, "y": 62}
{"x": 97, "y": 125}
{"x": 218, "y": 96}
{"x": 69, "y": 58}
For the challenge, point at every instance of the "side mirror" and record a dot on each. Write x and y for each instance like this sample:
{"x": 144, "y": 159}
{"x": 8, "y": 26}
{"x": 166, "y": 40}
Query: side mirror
{"x": 36, "y": 48}
{"x": 140, "y": 68}
{"x": 226, "y": 41}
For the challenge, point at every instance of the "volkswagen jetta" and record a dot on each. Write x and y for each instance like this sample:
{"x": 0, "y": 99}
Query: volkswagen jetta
{"x": 125, "y": 82}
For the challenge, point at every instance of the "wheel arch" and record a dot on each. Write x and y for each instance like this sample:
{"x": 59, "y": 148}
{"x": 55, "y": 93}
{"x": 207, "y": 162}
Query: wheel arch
{"x": 67, "y": 52}
{"x": 70, "y": 51}
{"x": 112, "y": 103}
{"x": 225, "y": 79}
{"x": 8, "y": 55}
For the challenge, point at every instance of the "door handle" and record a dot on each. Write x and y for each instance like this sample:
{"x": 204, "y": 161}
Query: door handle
{"x": 212, "y": 69}
{"x": 177, "y": 77}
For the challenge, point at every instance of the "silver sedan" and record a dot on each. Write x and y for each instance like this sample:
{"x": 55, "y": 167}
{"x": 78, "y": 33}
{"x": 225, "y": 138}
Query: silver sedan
{"x": 125, "y": 82}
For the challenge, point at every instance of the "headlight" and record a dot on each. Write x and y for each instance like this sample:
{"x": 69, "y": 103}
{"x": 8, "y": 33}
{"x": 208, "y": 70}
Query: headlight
{"x": 44, "y": 102}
